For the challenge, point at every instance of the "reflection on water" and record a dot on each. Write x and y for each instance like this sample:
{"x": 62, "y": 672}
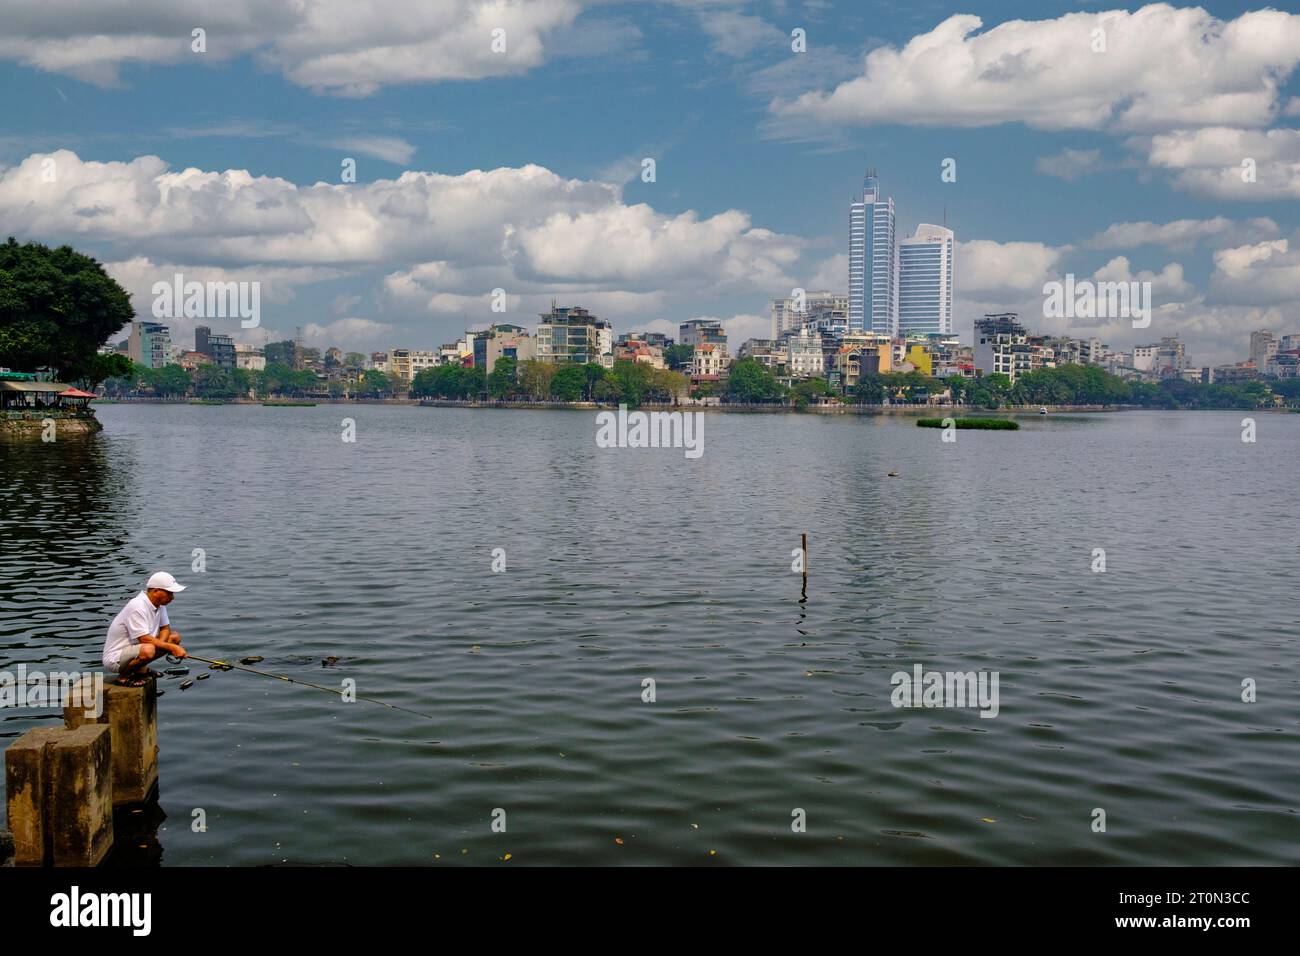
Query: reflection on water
{"x": 1118, "y": 690}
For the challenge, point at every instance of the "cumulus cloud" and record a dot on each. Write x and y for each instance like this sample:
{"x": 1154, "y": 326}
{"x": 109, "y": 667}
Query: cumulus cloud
{"x": 1166, "y": 285}
{"x": 277, "y": 288}
{"x": 334, "y": 46}
{"x": 984, "y": 268}
{"x": 1162, "y": 68}
{"x": 443, "y": 242}
{"x": 1182, "y": 233}
{"x": 1263, "y": 273}
{"x": 1229, "y": 163}
{"x": 355, "y": 332}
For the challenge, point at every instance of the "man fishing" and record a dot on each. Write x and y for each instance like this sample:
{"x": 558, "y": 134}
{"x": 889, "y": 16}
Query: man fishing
{"x": 142, "y": 632}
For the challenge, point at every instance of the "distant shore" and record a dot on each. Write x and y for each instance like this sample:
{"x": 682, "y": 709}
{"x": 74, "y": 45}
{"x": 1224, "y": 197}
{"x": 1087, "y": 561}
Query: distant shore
{"x": 769, "y": 409}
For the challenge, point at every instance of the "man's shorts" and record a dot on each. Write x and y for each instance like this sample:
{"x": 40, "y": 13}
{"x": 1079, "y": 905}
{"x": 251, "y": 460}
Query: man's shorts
{"x": 125, "y": 656}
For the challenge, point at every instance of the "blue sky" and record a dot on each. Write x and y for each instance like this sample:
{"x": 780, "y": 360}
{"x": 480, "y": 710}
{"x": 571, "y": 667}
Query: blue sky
{"x": 755, "y": 159}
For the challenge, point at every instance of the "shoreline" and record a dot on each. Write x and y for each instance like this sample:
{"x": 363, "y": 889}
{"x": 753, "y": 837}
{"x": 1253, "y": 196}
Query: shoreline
{"x": 757, "y": 409}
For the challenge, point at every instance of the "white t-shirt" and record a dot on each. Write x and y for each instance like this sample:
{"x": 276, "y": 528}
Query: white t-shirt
{"x": 139, "y": 617}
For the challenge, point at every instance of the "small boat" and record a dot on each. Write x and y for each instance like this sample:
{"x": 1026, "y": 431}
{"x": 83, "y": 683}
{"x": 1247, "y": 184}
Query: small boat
{"x": 1042, "y": 411}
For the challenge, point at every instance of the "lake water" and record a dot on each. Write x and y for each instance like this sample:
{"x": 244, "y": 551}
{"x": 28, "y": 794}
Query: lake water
{"x": 1119, "y": 690}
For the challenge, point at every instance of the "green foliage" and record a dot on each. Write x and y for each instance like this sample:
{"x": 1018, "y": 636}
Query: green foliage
{"x": 678, "y": 357}
{"x": 283, "y": 381}
{"x": 104, "y": 367}
{"x": 568, "y": 383}
{"x": 375, "y": 384}
{"x": 279, "y": 353}
{"x": 57, "y": 307}
{"x": 986, "y": 424}
{"x": 1089, "y": 385}
{"x": 751, "y": 381}
{"x": 810, "y": 389}
{"x": 213, "y": 382}
{"x": 631, "y": 381}
{"x": 448, "y": 381}
{"x": 535, "y": 379}
{"x": 501, "y": 382}
{"x": 170, "y": 381}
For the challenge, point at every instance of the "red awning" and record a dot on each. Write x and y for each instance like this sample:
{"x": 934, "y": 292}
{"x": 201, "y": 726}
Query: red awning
{"x": 76, "y": 393}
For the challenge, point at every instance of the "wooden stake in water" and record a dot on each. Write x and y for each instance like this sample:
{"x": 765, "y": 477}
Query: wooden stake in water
{"x": 803, "y": 546}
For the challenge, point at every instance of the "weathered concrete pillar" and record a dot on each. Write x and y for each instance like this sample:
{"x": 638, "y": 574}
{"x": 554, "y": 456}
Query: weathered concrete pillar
{"x": 27, "y": 784}
{"x": 131, "y": 714}
{"x": 80, "y": 807}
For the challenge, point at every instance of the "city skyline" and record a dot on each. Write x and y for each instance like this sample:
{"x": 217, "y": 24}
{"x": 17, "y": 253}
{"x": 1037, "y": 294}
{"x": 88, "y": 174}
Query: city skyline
{"x": 176, "y": 167}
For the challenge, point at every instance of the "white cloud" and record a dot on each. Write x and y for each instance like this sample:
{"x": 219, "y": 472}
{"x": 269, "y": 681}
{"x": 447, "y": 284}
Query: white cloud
{"x": 1163, "y": 68}
{"x": 335, "y": 46}
{"x": 354, "y": 332}
{"x": 991, "y": 269}
{"x": 1264, "y": 273}
{"x": 277, "y": 288}
{"x": 1212, "y": 161}
{"x": 1166, "y": 285}
{"x": 1182, "y": 233}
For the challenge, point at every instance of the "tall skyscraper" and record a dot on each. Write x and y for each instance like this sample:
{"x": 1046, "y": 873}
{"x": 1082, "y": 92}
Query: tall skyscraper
{"x": 925, "y": 281}
{"x": 873, "y": 261}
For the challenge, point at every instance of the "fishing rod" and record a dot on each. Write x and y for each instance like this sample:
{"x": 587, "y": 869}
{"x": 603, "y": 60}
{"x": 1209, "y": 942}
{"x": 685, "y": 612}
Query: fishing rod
{"x": 293, "y": 680}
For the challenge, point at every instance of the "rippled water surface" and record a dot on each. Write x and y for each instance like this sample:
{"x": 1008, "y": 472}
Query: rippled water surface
{"x": 1119, "y": 690}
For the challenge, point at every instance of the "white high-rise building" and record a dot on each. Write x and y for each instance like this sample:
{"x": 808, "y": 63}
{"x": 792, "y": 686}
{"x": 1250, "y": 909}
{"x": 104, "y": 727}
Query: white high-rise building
{"x": 925, "y": 281}
{"x": 873, "y": 261}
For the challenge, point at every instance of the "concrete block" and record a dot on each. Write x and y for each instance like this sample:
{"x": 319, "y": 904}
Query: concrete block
{"x": 131, "y": 714}
{"x": 80, "y": 807}
{"x": 27, "y": 781}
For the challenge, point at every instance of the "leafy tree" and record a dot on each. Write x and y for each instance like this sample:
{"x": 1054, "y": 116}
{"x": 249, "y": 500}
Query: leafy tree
{"x": 593, "y": 372}
{"x": 210, "y": 381}
{"x": 666, "y": 386}
{"x": 103, "y": 367}
{"x": 535, "y": 378}
{"x": 279, "y": 353}
{"x": 810, "y": 389}
{"x": 678, "y": 357}
{"x": 354, "y": 360}
{"x": 633, "y": 380}
{"x": 568, "y": 383}
{"x": 750, "y": 381}
{"x": 57, "y": 307}
{"x": 375, "y": 384}
{"x": 501, "y": 383}
{"x": 870, "y": 390}
{"x": 165, "y": 382}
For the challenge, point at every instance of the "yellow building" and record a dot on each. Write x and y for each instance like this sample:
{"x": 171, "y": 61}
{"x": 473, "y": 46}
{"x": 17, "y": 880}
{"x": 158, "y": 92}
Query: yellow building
{"x": 921, "y": 359}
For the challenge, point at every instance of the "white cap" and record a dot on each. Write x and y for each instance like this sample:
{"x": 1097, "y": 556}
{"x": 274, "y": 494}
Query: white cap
{"x": 165, "y": 582}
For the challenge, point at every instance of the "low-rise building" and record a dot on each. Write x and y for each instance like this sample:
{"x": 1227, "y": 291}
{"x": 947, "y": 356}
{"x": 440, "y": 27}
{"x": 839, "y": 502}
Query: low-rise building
{"x": 249, "y": 357}
{"x": 803, "y": 355}
{"x": 709, "y": 362}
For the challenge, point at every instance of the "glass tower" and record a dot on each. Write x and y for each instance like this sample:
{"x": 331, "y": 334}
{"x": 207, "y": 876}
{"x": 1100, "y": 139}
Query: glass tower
{"x": 873, "y": 261}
